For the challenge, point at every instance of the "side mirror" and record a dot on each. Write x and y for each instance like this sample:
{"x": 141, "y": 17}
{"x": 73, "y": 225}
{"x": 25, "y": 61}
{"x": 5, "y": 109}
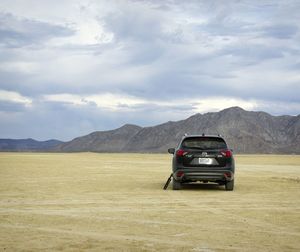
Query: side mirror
{"x": 231, "y": 150}
{"x": 171, "y": 150}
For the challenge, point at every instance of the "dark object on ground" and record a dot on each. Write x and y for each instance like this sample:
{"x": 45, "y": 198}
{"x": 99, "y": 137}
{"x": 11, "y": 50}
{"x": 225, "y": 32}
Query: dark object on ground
{"x": 168, "y": 182}
{"x": 202, "y": 158}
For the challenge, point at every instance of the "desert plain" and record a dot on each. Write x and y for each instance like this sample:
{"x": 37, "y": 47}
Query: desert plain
{"x": 115, "y": 202}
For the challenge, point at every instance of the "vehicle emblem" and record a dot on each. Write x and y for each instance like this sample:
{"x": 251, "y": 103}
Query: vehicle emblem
{"x": 204, "y": 154}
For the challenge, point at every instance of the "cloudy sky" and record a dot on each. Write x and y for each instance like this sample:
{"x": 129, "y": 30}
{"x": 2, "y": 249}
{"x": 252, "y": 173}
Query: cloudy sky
{"x": 70, "y": 67}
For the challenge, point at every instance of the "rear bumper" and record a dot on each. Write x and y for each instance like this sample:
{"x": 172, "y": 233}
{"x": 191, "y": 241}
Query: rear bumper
{"x": 212, "y": 175}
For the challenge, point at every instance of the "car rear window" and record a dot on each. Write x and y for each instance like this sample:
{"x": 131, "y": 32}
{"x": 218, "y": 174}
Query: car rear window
{"x": 204, "y": 143}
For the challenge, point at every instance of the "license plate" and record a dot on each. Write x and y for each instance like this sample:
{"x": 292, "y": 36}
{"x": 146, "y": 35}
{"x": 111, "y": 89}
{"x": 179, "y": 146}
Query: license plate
{"x": 205, "y": 161}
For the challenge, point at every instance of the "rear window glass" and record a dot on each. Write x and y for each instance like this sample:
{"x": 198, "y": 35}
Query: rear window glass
{"x": 204, "y": 143}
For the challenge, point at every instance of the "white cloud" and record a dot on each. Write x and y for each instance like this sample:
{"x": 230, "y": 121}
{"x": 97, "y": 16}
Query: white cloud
{"x": 11, "y": 96}
{"x": 213, "y": 104}
{"x": 65, "y": 98}
{"x": 19, "y": 66}
{"x": 108, "y": 101}
{"x": 120, "y": 102}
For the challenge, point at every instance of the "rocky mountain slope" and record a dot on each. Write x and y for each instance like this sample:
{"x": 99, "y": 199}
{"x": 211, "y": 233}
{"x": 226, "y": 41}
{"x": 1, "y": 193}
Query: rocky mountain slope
{"x": 245, "y": 132}
{"x": 102, "y": 141}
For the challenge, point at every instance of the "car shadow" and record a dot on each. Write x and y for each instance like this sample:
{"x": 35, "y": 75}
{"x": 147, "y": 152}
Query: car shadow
{"x": 202, "y": 186}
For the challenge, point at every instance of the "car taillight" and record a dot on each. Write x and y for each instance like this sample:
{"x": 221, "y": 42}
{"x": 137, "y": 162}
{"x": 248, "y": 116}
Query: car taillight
{"x": 180, "y": 153}
{"x": 226, "y": 153}
{"x": 179, "y": 174}
{"x": 227, "y": 174}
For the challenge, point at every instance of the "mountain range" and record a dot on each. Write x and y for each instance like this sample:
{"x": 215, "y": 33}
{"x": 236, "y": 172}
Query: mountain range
{"x": 27, "y": 145}
{"x": 244, "y": 131}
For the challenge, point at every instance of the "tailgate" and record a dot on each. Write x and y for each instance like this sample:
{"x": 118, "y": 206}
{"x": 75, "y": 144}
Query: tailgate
{"x": 204, "y": 158}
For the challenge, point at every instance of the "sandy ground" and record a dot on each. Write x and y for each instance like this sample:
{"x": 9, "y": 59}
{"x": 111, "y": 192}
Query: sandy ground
{"x": 115, "y": 202}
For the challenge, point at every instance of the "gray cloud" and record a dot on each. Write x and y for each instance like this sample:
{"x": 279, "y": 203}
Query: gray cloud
{"x": 248, "y": 54}
{"x": 281, "y": 31}
{"x": 130, "y": 22}
{"x": 154, "y": 51}
{"x": 18, "y": 32}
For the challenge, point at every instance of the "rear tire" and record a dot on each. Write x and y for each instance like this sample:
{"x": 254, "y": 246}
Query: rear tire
{"x": 229, "y": 185}
{"x": 176, "y": 185}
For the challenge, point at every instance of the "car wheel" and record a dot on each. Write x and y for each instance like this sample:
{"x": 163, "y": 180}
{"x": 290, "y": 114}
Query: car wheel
{"x": 176, "y": 185}
{"x": 229, "y": 185}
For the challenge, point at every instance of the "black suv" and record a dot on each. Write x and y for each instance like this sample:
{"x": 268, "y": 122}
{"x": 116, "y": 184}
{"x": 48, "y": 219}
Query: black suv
{"x": 202, "y": 158}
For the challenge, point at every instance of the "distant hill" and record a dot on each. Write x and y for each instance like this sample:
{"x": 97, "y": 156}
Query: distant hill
{"x": 245, "y": 132}
{"x": 116, "y": 140}
{"x": 27, "y": 145}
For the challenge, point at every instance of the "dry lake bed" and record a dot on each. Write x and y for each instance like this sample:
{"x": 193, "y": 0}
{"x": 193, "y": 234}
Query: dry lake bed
{"x": 115, "y": 202}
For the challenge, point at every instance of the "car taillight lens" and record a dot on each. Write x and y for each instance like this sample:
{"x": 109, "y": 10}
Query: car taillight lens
{"x": 227, "y": 175}
{"x": 180, "y": 153}
{"x": 226, "y": 153}
{"x": 179, "y": 174}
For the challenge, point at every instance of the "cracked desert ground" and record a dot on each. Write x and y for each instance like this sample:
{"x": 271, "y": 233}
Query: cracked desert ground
{"x": 115, "y": 202}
